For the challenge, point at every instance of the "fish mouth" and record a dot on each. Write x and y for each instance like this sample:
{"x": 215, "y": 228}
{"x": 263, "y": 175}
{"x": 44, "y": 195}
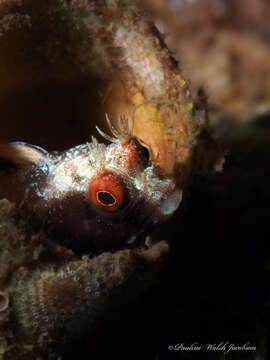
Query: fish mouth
{"x": 42, "y": 249}
{"x": 133, "y": 236}
{"x": 60, "y": 249}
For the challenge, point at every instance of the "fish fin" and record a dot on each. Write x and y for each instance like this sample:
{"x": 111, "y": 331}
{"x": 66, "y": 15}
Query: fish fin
{"x": 21, "y": 154}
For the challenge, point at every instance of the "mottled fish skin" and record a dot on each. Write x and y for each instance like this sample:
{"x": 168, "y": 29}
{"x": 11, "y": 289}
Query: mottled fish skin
{"x": 91, "y": 197}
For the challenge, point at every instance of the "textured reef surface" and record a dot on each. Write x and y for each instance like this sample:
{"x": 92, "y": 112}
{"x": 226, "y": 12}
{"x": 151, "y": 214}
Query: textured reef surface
{"x": 94, "y": 57}
{"x": 63, "y": 66}
{"x": 51, "y": 298}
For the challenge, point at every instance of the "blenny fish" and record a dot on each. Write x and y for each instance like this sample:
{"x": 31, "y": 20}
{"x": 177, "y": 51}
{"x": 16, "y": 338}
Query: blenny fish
{"x": 94, "y": 202}
{"x": 90, "y": 197}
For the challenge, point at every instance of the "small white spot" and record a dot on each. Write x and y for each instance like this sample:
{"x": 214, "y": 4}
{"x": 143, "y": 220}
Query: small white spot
{"x": 4, "y": 301}
{"x": 218, "y": 167}
{"x": 131, "y": 239}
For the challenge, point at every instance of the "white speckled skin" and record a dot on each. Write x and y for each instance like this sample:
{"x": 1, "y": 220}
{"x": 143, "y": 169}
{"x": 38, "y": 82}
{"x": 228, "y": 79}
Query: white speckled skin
{"x": 56, "y": 194}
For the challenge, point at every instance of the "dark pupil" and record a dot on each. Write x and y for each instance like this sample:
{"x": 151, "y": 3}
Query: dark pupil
{"x": 106, "y": 198}
{"x": 144, "y": 153}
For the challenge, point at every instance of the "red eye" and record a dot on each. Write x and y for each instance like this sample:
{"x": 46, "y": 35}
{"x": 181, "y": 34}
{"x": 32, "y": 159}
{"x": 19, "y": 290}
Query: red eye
{"x": 106, "y": 192}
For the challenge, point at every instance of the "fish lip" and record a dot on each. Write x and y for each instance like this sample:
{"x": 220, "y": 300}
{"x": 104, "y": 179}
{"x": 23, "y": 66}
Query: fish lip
{"x": 169, "y": 205}
{"x": 133, "y": 241}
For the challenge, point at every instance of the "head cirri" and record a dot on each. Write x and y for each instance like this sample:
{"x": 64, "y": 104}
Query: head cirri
{"x": 93, "y": 196}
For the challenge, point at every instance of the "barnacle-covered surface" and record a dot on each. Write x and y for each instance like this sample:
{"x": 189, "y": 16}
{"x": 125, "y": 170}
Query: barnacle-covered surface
{"x": 215, "y": 288}
{"x": 63, "y": 65}
{"x": 66, "y": 64}
{"x": 223, "y": 47}
{"x": 54, "y": 298}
